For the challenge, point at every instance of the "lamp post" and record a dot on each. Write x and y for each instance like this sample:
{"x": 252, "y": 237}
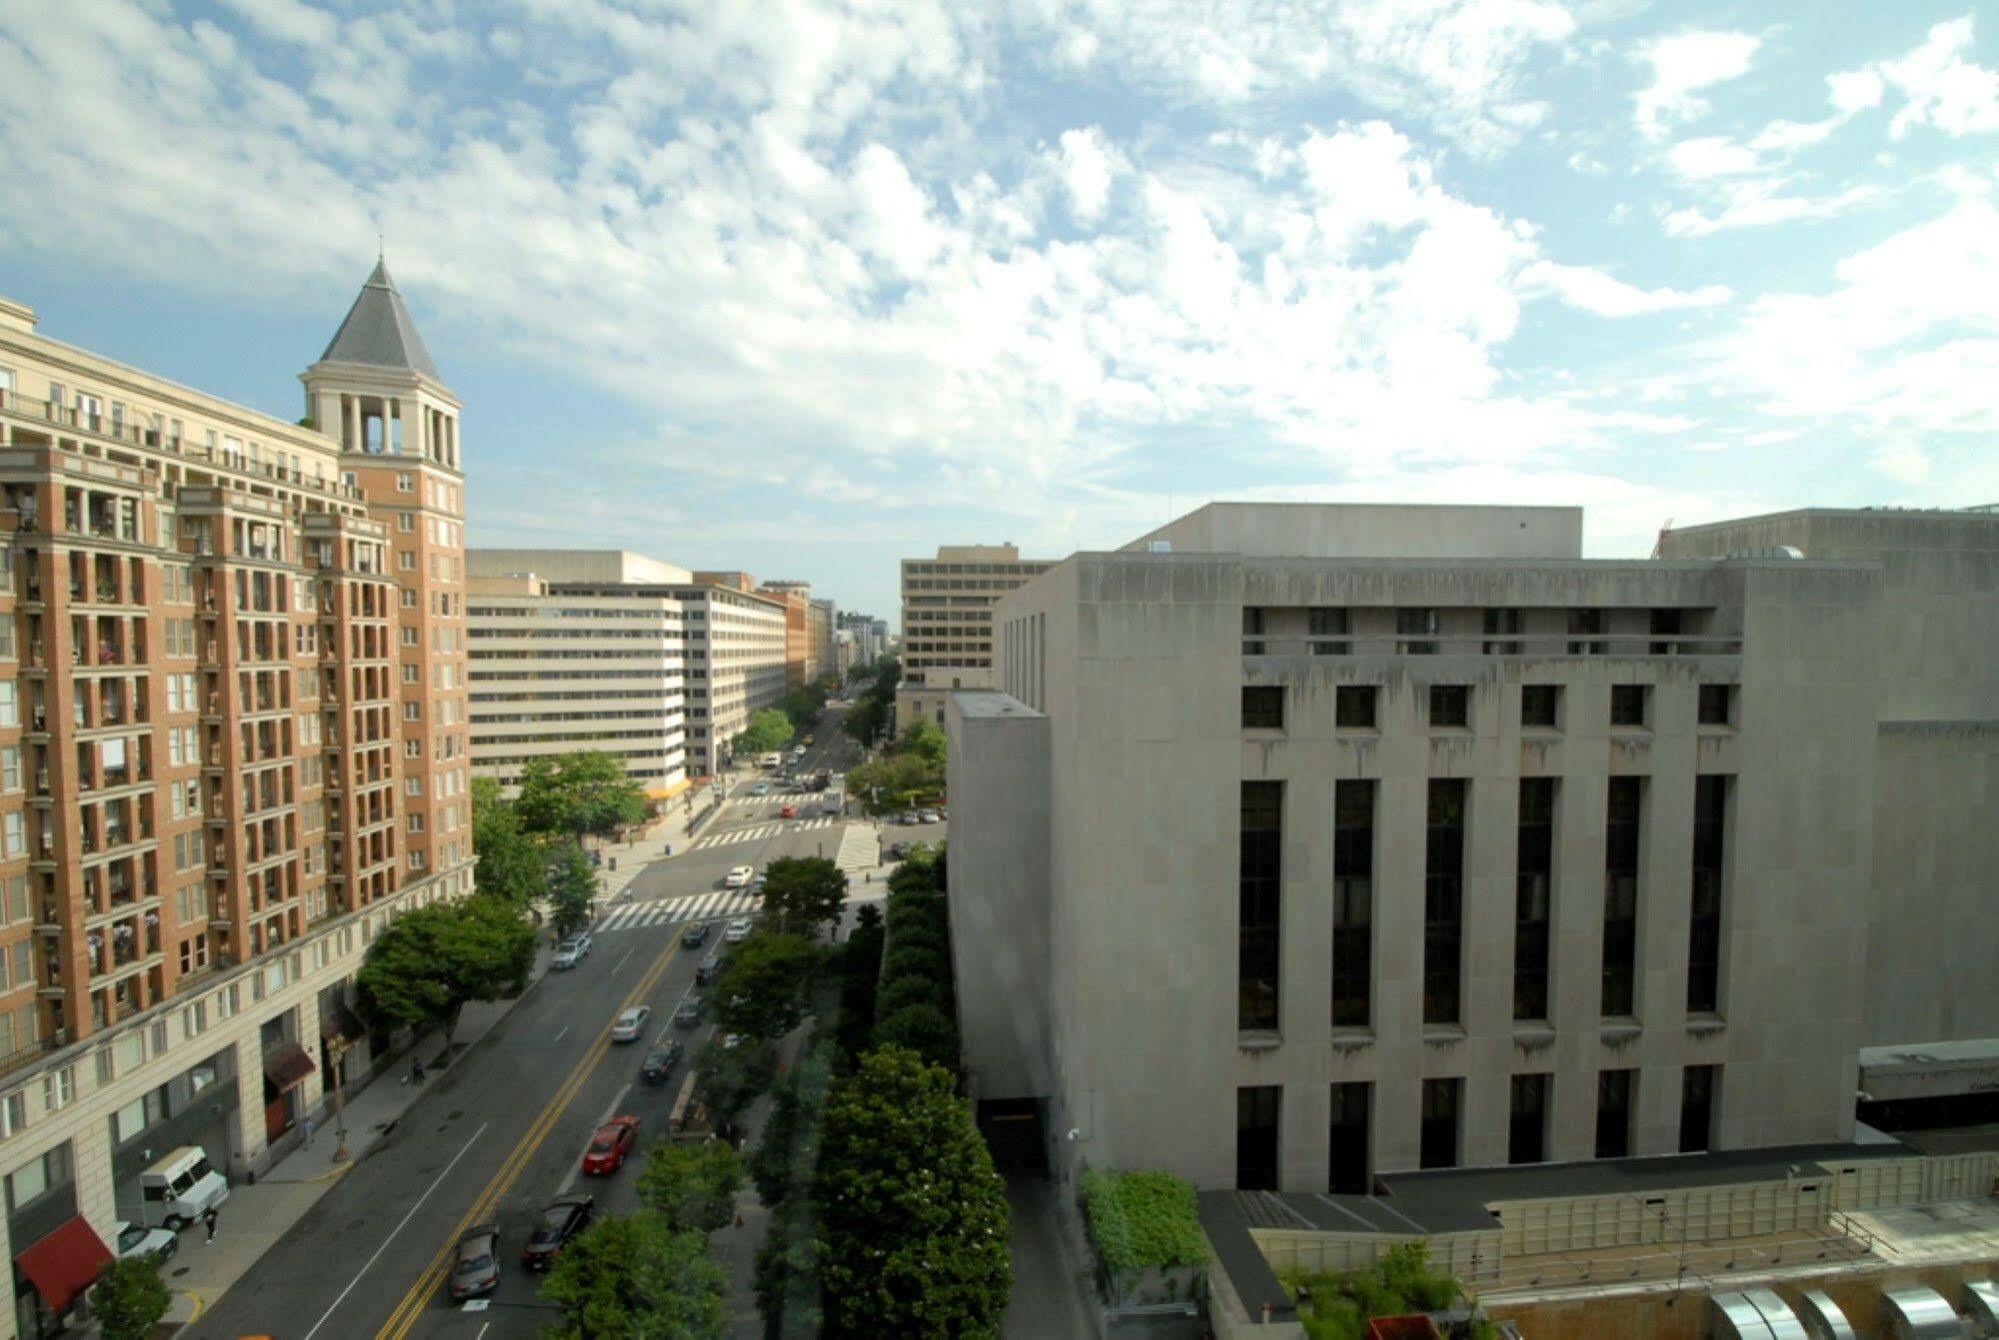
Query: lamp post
{"x": 339, "y": 1051}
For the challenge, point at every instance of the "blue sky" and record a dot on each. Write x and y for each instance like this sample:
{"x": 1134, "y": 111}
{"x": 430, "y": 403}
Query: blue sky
{"x": 804, "y": 287}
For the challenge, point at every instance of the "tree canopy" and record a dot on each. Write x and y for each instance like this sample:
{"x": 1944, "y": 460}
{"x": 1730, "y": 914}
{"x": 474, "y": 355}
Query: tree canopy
{"x": 632, "y": 1277}
{"x": 913, "y": 1217}
{"x": 691, "y": 1184}
{"x": 572, "y": 889}
{"x": 573, "y": 794}
{"x": 129, "y": 1298}
{"x": 509, "y": 864}
{"x": 429, "y": 962}
{"x": 925, "y": 739}
{"x": 730, "y": 1078}
{"x": 761, "y": 993}
{"x": 769, "y": 729}
{"x": 803, "y": 894}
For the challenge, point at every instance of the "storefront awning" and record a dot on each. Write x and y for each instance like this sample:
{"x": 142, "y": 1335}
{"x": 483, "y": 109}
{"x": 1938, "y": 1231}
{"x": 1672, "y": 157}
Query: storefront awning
{"x": 65, "y": 1263}
{"x": 341, "y": 1023}
{"x": 287, "y": 1065}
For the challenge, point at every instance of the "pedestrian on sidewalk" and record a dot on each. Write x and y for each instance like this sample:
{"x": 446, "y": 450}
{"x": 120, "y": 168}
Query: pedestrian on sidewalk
{"x": 309, "y": 1128}
{"x": 208, "y": 1218}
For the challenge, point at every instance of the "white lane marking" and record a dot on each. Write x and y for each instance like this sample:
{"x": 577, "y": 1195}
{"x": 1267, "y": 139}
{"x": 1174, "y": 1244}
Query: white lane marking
{"x": 621, "y": 962}
{"x": 392, "y": 1232}
{"x": 558, "y": 1037}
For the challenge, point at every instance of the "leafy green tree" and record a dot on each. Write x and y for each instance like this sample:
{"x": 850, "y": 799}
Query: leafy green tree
{"x": 915, "y": 961}
{"x": 925, "y": 739}
{"x": 786, "y": 1272}
{"x": 429, "y": 962}
{"x": 509, "y": 864}
{"x": 803, "y": 894}
{"x": 573, "y": 794}
{"x": 895, "y": 782}
{"x": 572, "y": 891}
{"x": 769, "y": 729}
{"x": 899, "y": 993}
{"x": 729, "y": 1079}
{"x": 913, "y": 1218}
{"x": 129, "y": 1298}
{"x": 690, "y": 1184}
{"x": 859, "y": 963}
{"x": 631, "y": 1277}
{"x": 761, "y": 993}
{"x": 924, "y": 1029}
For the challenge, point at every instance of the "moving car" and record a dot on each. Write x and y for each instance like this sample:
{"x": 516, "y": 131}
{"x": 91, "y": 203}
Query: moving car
{"x": 608, "y": 1147}
{"x": 631, "y": 1025}
{"x": 138, "y": 1240}
{"x": 739, "y": 931}
{"x": 929, "y": 817}
{"x": 695, "y": 935}
{"x": 561, "y": 1221}
{"x": 739, "y": 877}
{"x": 788, "y": 812}
{"x": 760, "y": 789}
{"x": 477, "y": 1269}
{"x": 689, "y": 1014}
{"x": 710, "y": 968}
{"x": 906, "y": 817}
{"x": 571, "y": 951}
{"x": 806, "y": 741}
{"x": 660, "y": 1061}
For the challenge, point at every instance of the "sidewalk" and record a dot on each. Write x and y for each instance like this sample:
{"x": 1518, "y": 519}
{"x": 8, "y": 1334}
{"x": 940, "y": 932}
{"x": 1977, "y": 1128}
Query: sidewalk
{"x": 258, "y": 1214}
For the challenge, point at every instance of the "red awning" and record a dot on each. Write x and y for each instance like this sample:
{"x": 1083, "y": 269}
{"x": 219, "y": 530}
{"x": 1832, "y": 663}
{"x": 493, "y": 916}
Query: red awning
{"x": 287, "y": 1065}
{"x": 65, "y": 1263}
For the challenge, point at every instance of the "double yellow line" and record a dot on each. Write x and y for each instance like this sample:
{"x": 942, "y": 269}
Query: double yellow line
{"x": 413, "y": 1303}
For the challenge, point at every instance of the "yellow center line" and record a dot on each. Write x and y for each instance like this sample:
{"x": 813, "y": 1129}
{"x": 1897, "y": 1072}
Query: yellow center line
{"x": 413, "y": 1303}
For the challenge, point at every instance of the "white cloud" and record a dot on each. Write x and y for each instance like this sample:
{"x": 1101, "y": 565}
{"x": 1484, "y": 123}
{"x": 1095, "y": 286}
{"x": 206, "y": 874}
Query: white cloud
{"x": 1941, "y": 87}
{"x": 1593, "y": 291}
{"x": 1902, "y": 461}
{"x": 1761, "y": 203}
{"x": 1712, "y": 156}
{"x": 1682, "y": 65}
{"x": 1088, "y": 167}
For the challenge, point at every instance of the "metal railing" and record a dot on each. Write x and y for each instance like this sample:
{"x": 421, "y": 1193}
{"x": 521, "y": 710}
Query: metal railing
{"x": 1542, "y": 646}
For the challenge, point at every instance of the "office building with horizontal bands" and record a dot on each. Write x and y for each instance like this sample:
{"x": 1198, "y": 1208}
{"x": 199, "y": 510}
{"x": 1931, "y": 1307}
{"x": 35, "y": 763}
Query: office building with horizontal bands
{"x": 947, "y": 623}
{"x": 695, "y": 656}
{"x": 1301, "y": 844}
{"x": 232, "y": 744}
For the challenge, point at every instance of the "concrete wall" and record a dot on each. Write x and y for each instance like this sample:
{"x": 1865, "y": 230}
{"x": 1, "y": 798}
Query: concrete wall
{"x": 1371, "y": 530}
{"x": 575, "y": 565}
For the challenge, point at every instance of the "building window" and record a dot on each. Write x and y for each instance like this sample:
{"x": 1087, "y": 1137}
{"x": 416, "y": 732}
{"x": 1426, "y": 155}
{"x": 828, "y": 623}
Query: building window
{"x": 1534, "y": 871}
{"x": 1262, "y": 707}
{"x": 1252, "y": 631}
{"x": 1257, "y": 1110}
{"x": 1440, "y": 1122}
{"x": 1620, "y": 895}
{"x": 1541, "y": 706}
{"x": 1443, "y": 900}
{"x": 1354, "y": 706}
{"x": 1697, "y": 1109}
{"x": 1665, "y": 627}
{"x": 1717, "y": 705}
{"x": 405, "y": 482}
{"x": 1416, "y": 632}
{"x": 1585, "y": 633}
{"x": 1704, "y": 938}
{"x": 1346, "y": 1168}
{"x": 1328, "y": 627}
{"x": 1502, "y": 633}
{"x": 1353, "y": 903}
{"x": 1613, "y": 1113}
{"x": 1450, "y": 706}
{"x": 1259, "y": 893}
{"x": 1527, "y": 1122}
{"x": 1628, "y": 703}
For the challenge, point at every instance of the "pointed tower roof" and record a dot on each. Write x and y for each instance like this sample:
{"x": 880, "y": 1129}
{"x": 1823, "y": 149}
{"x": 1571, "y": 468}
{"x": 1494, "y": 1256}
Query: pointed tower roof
{"x": 378, "y": 331}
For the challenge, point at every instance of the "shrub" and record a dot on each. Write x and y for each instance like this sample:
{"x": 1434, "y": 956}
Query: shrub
{"x": 1341, "y": 1303}
{"x": 1144, "y": 1219}
{"x": 899, "y": 993}
{"x": 925, "y": 1030}
{"x": 916, "y": 961}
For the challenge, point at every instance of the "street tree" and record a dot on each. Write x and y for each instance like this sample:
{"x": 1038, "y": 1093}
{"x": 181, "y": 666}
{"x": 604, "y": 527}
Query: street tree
{"x": 427, "y": 964}
{"x": 729, "y": 1079}
{"x": 691, "y": 1185}
{"x": 908, "y": 1245}
{"x": 803, "y": 894}
{"x": 509, "y": 863}
{"x": 572, "y": 891}
{"x": 574, "y": 794}
{"x": 632, "y": 1277}
{"x": 769, "y": 729}
{"x": 895, "y": 782}
{"x": 129, "y": 1298}
{"x": 761, "y": 993}
{"x": 922, "y": 1028}
{"x": 925, "y": 739}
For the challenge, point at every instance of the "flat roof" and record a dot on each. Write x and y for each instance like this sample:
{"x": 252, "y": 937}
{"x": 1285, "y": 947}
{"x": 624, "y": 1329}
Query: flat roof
{"x": 989, "y": 704}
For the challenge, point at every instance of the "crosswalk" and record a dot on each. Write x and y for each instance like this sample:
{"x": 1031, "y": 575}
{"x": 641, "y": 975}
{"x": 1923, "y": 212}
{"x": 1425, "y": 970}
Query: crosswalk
{"x": 669, "y": 911}
{"x": 860, "y": 845}
{"x": 759, "y": 832}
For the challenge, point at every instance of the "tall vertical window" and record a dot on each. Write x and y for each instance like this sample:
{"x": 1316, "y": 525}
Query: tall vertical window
{"x": 1585, "y": 633}
{"x": 1527, "y": 1120}
{"x": 1696, "y": 1108}
{"x": 1613, "y": 1113}
{"x": 1259, "y": 888}
{"x": 1328, "y": 624}
{"x": 1443, "y": 900}
{"x": 1416, "y": 632}
{"x": 1502, "y": 633}
{"x": 1353, "y": 902}
{"x": 1704, "y": 933}
{"x": 1256, "y": 1115}
{"x": 1532, "y": 897}
{"x": 1440, "y": 1122}
{"x": 1620, "y": 895}
{"x": 1252, "y": 631}
{"x": 1346, "y": 1168}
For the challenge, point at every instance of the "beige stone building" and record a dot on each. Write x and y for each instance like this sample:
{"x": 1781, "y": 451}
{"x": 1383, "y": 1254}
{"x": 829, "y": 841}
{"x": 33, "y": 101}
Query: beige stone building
{"x": 233, "y": 739}
{"x": 1299, "y": 845}
{"x": 947, "y": 622}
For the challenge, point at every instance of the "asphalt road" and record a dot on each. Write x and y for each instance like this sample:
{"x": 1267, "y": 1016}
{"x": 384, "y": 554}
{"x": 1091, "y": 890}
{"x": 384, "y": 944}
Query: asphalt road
{"x": 498, "y": 1134}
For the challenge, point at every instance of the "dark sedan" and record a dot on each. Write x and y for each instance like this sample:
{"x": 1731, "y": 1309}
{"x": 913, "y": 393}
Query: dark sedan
{"x": 560, "y": 1222}
{"x": 660, "y": 1061}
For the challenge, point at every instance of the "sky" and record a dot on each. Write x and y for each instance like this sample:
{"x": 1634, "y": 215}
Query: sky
{"x": 804, "y": 288}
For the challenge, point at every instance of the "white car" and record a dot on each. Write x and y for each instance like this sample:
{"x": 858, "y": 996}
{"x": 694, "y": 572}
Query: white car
{"x": 631, "y": 1025}
{"x": 740, "y": 877}
{"x": 738, "y": 931}
{"x": 571, "y": 951}
{"x": 138, "y": 1240}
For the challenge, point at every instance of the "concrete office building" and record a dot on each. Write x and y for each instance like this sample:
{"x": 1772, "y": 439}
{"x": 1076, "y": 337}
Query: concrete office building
{"x": 947, "y": 623}
{"x": 736, "y": 665}
{"x": 232, "y": 744}
{"x": 795, "y": 597}
{"x": 821, "y": 622}
{"x": 577, "y": 650}
{"x": 1300, "y": 844}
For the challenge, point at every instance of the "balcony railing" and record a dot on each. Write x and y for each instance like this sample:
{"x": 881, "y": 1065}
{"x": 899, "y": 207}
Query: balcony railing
{"x": 1538, "y": 646}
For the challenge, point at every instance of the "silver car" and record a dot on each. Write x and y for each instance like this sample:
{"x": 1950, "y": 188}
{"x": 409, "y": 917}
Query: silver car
{"x": 631, "y": 1025}
{"x": 477, "y": 1269}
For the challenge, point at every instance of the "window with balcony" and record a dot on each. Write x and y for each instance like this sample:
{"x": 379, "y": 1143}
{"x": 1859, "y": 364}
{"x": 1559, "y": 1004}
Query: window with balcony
{"x": 1327, "y": 627}
{"x": 1586, "y": 633}
{"x": 1416, "y": 632}
{"x": 1502, "y": 633}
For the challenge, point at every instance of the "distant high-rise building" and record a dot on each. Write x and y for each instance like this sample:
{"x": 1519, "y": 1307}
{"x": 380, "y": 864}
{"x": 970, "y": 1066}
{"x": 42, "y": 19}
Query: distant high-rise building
{"x": 947, "y": 623}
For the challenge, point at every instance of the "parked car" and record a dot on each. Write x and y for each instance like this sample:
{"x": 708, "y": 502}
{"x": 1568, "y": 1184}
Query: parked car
{"x": 561, "y": 1221}
{"x": 631, "y": 1025}
{"x": 806, "y": 741}
{"x": 929, "y": 817}
{"x": 739, "y": 931}
{"x": 689, "y": 1014}
{"x": 739, "y": 877}
{"x": 614, "y": 1140}
{"x": 571, "y": 951}
{"x": 710, "y": 968}
{"x": 138, "y": 1240}
{"x": 760, "y": 789}
{"x": 788, "y": 812}
{"x": 695, "y": 935}
{"x": 896, "y": 851}
{"x": 731, "y": 1041}
{"x": 660, "y": 1061}
{"x": 906, "y": 817}
{"x": 477, "y": 1269}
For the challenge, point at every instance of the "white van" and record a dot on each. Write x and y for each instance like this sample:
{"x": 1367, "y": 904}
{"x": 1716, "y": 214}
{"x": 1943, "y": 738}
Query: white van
{"x": 179, "y": 1188}
{"x": 771, "y": 762}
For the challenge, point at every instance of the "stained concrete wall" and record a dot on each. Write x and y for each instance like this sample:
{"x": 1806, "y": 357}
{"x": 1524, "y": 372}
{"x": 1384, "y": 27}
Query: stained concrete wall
{"x": 1373, "y": 530}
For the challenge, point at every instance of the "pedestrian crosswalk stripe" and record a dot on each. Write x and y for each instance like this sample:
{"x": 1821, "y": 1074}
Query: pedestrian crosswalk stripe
{"x": 859, "y": 848}
{"x": 759, "y": 832}
{"x": 672, "y": 911}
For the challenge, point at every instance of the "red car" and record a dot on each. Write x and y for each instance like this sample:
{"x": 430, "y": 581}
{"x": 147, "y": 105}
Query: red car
{"x": 788, "y": 812}
{"x": 608, "y": 1147}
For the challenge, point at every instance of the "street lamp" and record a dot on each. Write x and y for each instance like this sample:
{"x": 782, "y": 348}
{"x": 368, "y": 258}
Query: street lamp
{"x": 338, "y": 1053}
